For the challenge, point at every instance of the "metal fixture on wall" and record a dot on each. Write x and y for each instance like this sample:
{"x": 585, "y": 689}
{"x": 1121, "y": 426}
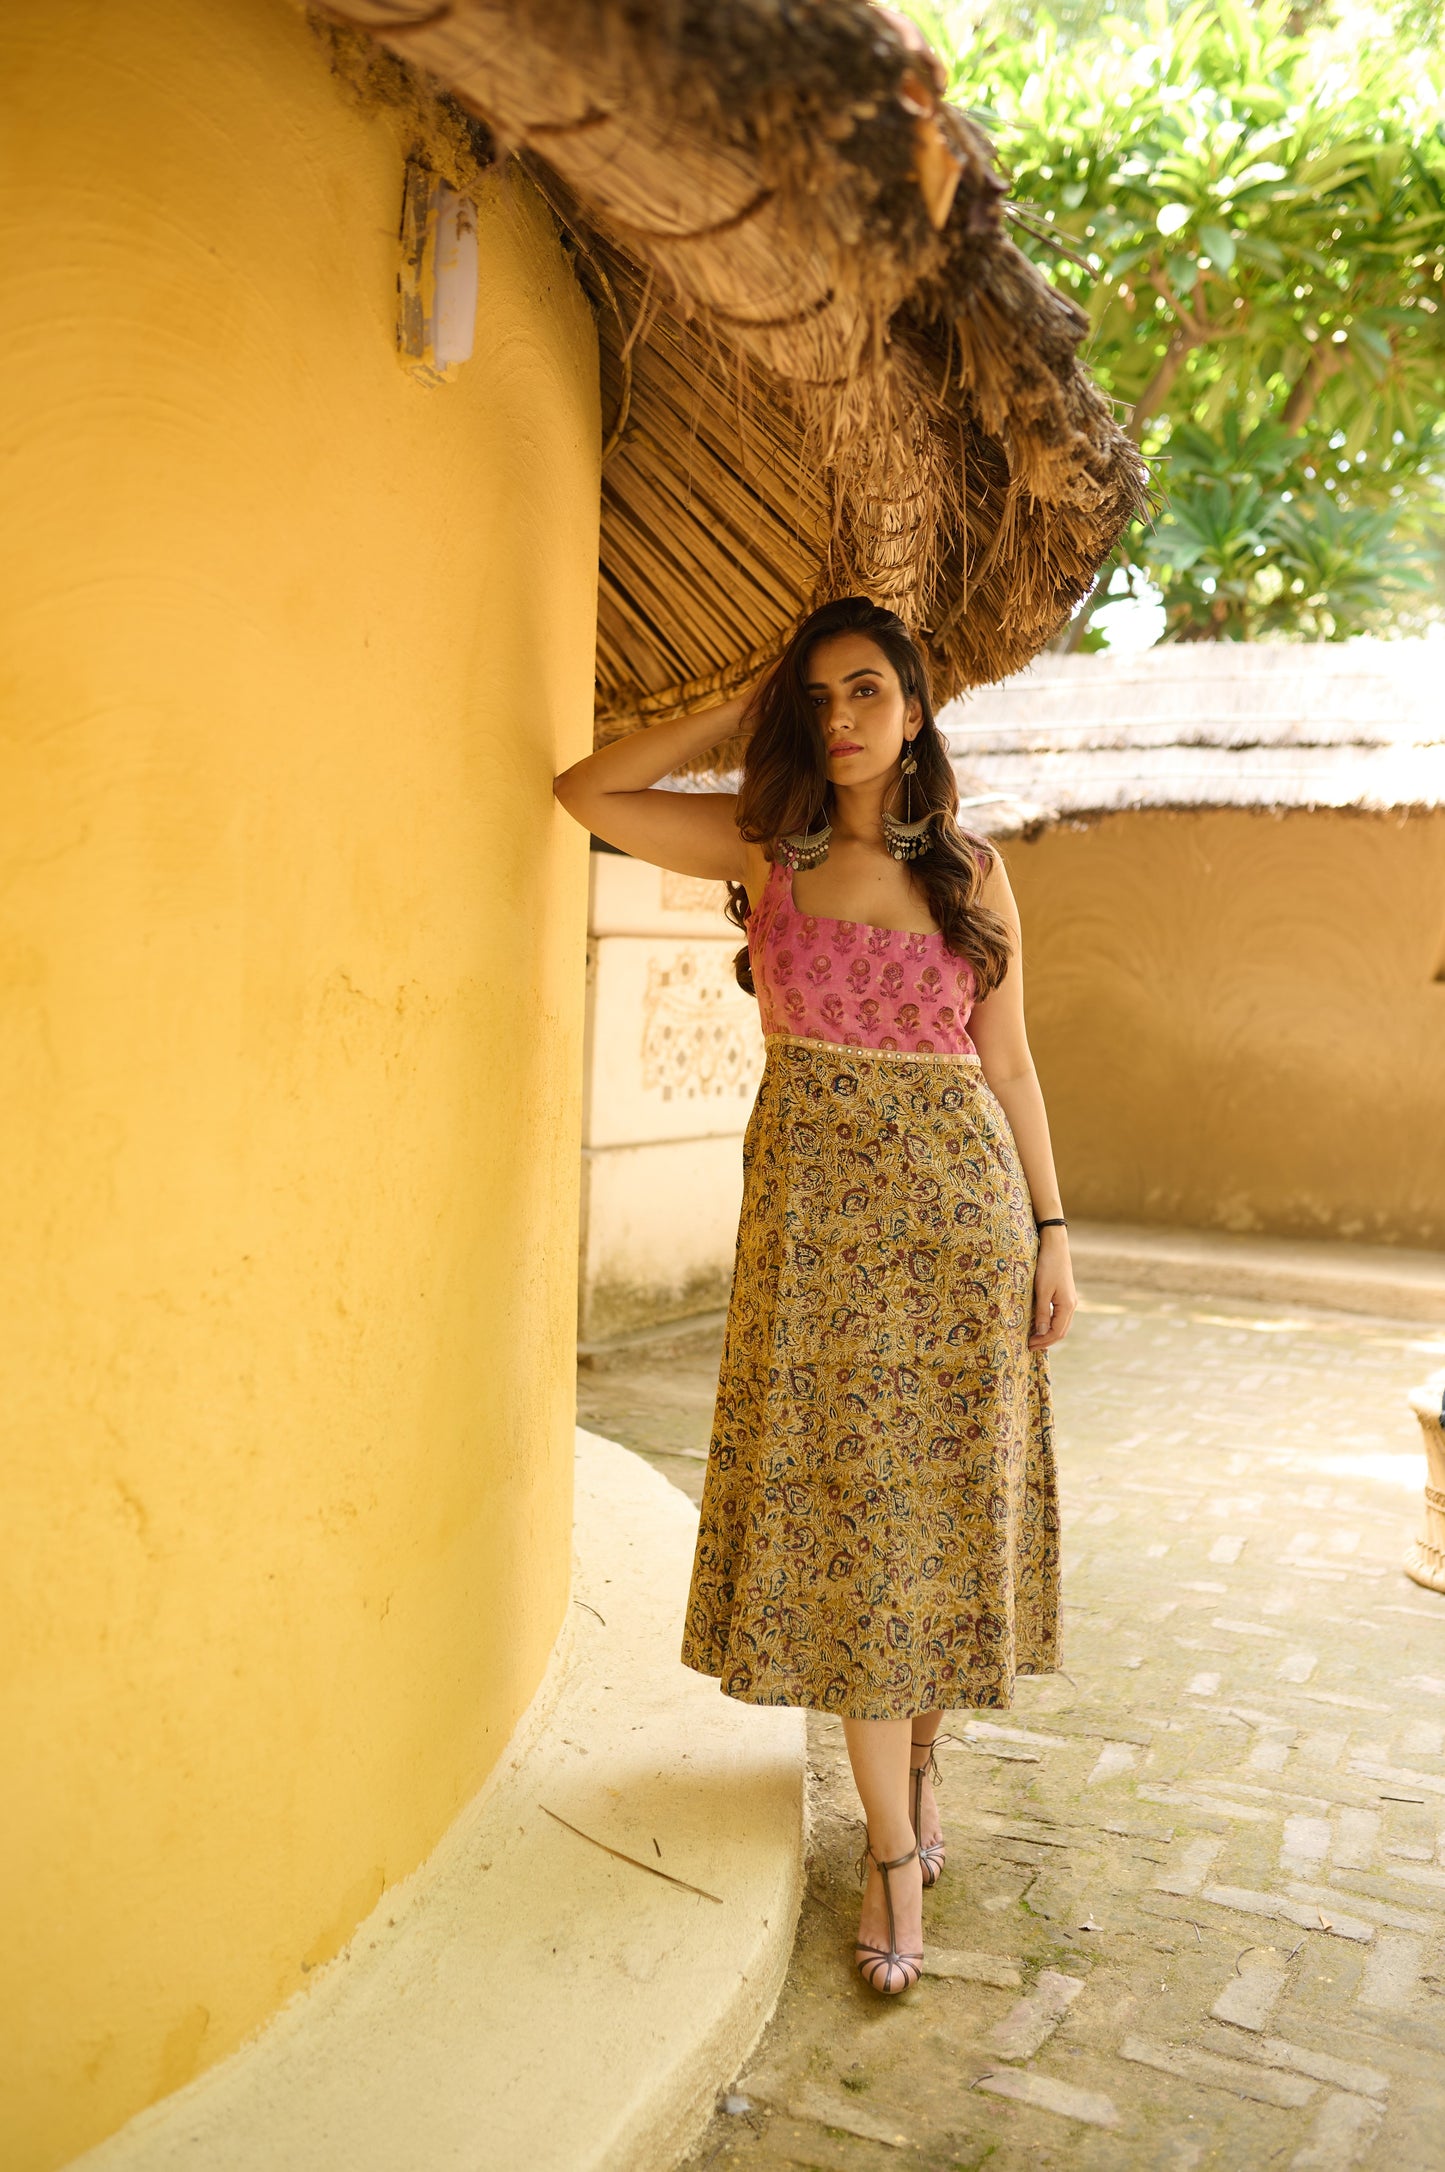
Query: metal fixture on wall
{"x": 437, "y": 278}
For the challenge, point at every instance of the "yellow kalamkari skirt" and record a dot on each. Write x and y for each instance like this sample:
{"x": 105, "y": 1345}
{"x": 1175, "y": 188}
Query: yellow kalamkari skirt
{"x": 879, "y": 1529}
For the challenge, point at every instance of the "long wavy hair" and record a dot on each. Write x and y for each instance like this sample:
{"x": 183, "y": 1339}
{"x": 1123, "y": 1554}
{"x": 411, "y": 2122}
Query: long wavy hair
{"x": 785, "y": 787}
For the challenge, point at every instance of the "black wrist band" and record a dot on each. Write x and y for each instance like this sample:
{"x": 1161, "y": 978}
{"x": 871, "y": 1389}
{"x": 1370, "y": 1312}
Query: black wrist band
{"x": 1054, "y": 1221}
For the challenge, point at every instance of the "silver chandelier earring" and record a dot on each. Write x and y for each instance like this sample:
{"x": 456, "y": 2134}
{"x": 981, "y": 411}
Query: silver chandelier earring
{"x": 803, "y": 849}
{"x": 905, "y": 838}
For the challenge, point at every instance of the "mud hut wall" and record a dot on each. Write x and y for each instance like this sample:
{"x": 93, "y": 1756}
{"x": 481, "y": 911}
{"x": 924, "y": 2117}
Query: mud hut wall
{"x": 1239, "y": 1017}
{"x": 293, "y": 935}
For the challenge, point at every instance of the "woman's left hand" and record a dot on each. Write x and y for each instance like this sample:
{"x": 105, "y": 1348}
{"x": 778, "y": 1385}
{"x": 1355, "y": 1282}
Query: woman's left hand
{"x": 1055, "y": 1297}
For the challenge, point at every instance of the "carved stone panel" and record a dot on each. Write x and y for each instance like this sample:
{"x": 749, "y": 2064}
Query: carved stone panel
{"x": 675, "y": 1046}
{"x": 692, "y": 893}
{"x": 696, "y": 1045}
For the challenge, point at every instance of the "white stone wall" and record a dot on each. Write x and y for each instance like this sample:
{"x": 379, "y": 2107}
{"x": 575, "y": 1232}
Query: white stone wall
{"x": 673, "y": 1056}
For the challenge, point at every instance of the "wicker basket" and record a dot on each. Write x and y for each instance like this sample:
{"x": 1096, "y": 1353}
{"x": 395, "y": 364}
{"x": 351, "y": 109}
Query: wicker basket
{"x": 1425, "y": 1561}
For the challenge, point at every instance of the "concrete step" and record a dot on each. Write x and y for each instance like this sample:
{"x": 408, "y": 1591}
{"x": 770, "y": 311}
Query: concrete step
{"x": 1383, "y": 1281}
{"x": 592, "y": 1950}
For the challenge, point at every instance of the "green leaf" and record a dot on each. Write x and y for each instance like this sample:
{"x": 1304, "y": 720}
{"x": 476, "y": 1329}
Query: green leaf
{"x": 1219, "y": 247}
{"x": 1373, "y": 342}
{"x": 1257, "y": 249}
{"x": 1255, "y": 176}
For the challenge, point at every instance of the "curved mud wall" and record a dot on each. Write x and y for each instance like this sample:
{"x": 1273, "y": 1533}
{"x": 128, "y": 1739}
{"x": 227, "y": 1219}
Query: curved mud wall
{"x": 292, "y": 964}
{"x": 1239, "y": 1018}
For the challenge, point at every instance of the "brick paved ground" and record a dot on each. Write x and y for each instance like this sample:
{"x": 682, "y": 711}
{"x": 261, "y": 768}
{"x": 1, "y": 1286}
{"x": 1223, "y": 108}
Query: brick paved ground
{"x": 1194, "y": 1910}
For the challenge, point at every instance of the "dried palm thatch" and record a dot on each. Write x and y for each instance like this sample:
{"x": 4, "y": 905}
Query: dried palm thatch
{"x": 1350, "y": 725}
{"x": 826, "y": 367}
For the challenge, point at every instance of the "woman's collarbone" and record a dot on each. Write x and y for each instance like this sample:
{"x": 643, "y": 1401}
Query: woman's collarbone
{"x": 843, "y": 893}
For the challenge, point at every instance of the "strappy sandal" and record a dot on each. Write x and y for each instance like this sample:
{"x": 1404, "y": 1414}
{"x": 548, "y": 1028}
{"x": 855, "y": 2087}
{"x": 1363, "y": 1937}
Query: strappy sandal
{"x": 934, "y": 1855}
{"x": 885, "y": 1969}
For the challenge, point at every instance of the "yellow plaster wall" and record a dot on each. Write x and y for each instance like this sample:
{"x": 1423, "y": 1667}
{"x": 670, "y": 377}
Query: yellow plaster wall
{"x": 291, "y": 955}
{"x": 1239, "y": 1018}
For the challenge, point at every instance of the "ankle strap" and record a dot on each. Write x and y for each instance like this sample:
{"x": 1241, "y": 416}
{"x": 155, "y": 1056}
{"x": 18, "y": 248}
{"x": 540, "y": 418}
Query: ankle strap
{"x": 868, "y": 1857}
{"x": 930, "y": 1762}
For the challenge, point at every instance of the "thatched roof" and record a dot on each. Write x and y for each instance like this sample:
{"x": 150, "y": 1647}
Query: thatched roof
{"x": 826, "y": 368}
{"x": 1357, "y": 725}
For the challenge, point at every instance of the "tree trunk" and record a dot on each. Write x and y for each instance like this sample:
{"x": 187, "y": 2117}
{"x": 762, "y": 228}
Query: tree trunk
{"x": 1160, "y": 385}
{"x": 1326, "y": 361}
{"x": 1072, "y": 640}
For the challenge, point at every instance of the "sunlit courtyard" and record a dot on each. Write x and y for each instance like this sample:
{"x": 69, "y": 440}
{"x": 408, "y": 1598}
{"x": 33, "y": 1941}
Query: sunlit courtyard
{"x": 1194, "y": 1909}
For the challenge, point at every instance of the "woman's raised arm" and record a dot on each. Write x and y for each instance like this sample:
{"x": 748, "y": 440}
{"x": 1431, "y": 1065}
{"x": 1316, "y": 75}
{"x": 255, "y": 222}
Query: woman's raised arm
{"x": 612, "y": 794}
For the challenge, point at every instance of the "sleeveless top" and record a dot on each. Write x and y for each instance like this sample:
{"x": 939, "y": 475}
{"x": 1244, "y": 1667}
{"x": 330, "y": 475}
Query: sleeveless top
{"x": 848, "y": 982}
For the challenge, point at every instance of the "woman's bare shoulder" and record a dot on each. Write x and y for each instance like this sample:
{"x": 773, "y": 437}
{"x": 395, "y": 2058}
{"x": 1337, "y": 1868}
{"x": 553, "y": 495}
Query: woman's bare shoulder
{"x": 995, "y": 889}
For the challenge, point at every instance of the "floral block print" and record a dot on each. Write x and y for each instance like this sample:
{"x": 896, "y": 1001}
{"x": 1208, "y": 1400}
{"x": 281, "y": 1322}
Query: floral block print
{"x": 848, "y": 982}
{"x": 879, "y": 1529}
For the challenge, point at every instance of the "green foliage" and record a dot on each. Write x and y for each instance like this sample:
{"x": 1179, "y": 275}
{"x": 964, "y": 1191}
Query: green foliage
{"x": 1253, "y": 205}
{"x": 1245, "y": 546}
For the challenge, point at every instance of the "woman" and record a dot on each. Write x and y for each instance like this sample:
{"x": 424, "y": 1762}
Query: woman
{"x": 879, "y": 1526}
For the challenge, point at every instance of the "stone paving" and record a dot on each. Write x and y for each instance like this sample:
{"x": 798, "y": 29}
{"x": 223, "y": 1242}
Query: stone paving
{"x": 1194, "y": 1909}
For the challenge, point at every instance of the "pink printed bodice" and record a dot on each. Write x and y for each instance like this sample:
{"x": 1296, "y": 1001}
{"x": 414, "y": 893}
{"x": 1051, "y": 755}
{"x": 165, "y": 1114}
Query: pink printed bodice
{"x": 844, "y": 981}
